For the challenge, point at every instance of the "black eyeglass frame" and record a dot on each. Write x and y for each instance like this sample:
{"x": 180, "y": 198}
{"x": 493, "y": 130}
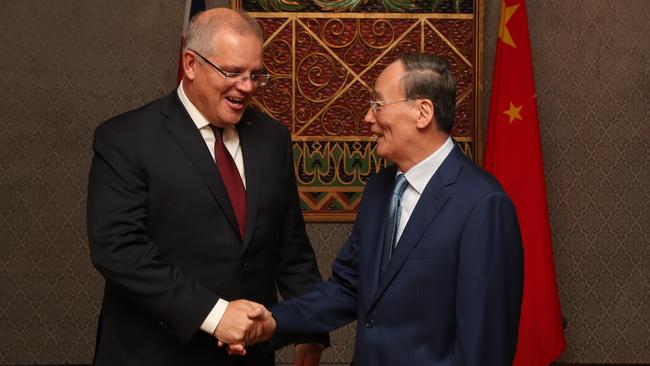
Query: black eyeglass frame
{"x": 259, "y": 79}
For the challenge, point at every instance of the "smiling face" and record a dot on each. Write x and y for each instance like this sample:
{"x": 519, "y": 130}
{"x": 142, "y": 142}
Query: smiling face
{"x": 394, "y": 123}
{"x": 223, "y": 100}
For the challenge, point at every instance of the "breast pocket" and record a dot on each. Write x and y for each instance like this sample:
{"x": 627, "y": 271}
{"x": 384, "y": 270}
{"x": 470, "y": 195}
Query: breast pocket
{"x": 271, "y": 177}
{"x": 430, "y": 252}
{"x": 271, "y": 171}
{"x": 274, "y": 193}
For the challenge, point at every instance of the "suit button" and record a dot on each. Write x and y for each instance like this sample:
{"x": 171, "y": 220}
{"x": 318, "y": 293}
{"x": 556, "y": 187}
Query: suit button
{"x": 244, "y": 264}
{"x": 370, "y": 323}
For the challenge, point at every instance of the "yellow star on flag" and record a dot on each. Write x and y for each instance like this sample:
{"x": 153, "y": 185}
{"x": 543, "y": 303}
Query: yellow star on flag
{"x": 506, "y": 14}
{"x": 513, "y": 112}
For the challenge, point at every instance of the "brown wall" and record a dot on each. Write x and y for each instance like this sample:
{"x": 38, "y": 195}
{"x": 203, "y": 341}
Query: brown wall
{"x": 65, "y": 66}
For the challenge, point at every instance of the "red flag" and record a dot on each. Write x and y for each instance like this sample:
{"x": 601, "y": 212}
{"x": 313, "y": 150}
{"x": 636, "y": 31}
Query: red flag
{"x": 191, "y": 8}
{"x": 513, "y": 155}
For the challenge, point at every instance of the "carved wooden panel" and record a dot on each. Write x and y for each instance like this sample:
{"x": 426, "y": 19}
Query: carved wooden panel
{"x": 323, "y": 65}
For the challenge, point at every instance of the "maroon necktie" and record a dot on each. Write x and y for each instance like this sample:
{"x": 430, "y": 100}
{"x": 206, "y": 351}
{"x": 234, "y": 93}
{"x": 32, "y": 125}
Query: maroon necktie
{"x": 231, "y": 179}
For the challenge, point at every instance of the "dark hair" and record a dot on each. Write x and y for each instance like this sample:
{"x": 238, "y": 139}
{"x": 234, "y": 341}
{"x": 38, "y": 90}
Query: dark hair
{"x": 428, "y": 77}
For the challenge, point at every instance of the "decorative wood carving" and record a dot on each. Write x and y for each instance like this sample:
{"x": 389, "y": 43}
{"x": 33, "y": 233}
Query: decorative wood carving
{"x": 323, "y": 64}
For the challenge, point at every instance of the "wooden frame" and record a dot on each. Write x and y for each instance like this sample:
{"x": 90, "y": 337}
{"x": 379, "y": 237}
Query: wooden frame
{"x": 323, "y": 66}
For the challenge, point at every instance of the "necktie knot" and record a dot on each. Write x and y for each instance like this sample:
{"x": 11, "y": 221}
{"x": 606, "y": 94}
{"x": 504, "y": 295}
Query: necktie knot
{"x": 400, "y": 185}
{"x": 218, "y": 131}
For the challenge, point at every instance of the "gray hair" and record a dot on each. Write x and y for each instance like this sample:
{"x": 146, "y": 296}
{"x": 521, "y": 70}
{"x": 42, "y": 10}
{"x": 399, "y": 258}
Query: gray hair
{"x": 428, "y": 77}
{"x": 203, "y": 26}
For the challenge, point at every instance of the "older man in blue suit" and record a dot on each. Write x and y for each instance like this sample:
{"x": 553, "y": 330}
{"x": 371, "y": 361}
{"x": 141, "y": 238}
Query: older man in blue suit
{"x": 433, "y": 269}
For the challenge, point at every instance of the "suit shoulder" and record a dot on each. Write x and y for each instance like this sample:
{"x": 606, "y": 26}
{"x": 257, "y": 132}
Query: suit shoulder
{"x": 481, "y": 177}
{"x": 138, "y": 119}
{"x": 470, "y": 180}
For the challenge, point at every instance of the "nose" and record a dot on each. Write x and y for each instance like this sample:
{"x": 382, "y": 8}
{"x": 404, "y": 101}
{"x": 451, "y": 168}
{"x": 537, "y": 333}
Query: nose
{"x": 370, "y": 116}
{"x": 247, "y": 85}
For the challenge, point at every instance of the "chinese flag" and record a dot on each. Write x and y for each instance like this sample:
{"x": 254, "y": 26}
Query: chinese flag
{"x": 514, "y": 156}
{"x": 192, "y": 7}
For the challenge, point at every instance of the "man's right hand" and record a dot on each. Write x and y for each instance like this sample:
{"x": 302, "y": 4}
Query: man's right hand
{"x": 243, "y": 323}
{"x": 235, "y": 326}
{"x": 266, "y": 325}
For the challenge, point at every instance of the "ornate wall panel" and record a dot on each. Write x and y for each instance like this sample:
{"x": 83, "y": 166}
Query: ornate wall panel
{"x": 324, "y": 64}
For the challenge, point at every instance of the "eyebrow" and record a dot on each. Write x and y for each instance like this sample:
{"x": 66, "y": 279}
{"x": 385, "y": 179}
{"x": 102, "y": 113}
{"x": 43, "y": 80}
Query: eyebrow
{"x": 236, "y": 68}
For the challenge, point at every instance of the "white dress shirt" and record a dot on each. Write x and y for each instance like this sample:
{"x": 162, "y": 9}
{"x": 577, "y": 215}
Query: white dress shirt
{"x": 230, "y": 135}
{"x": 418, "y": 177}
{"x": 231, "y": 142}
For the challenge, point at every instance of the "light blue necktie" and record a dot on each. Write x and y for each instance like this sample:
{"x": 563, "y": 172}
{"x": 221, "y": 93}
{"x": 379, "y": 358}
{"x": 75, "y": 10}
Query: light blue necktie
{"x": 392, "y": 222}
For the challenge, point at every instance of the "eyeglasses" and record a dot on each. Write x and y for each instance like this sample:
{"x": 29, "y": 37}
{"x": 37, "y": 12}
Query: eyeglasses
{"x": 259, "y": 79}
{"x": 376, "y": 105}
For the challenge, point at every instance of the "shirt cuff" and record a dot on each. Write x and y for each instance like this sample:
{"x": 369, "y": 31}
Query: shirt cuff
{"x": 212, "y": 321}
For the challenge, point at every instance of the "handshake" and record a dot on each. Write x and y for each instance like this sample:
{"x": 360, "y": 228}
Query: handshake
{"x": 244, "y": 323}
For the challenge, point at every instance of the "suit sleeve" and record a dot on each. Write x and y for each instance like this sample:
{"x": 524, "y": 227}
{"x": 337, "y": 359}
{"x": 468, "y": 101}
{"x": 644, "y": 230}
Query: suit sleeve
{"x": 331, "y": 304}
{"x": 489, "y": 284}
{"x": 122, "y": 251}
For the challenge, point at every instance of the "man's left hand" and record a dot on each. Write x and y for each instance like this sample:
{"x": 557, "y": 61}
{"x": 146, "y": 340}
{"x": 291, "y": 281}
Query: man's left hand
{"x": 307, "y": 354}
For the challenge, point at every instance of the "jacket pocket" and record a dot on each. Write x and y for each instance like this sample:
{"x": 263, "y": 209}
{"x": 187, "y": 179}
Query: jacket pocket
{"x": 430, "y": 252}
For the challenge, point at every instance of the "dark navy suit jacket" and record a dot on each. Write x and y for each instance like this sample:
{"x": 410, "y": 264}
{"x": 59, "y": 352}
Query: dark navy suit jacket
{"x": 451, "y": 294}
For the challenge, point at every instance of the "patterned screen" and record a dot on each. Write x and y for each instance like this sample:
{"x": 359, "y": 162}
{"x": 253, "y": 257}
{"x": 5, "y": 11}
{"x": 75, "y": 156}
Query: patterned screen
{"x": 323, "y": 65}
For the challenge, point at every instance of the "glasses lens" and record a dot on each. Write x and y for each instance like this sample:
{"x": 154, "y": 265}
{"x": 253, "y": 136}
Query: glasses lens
{"x": 260, "y": 79}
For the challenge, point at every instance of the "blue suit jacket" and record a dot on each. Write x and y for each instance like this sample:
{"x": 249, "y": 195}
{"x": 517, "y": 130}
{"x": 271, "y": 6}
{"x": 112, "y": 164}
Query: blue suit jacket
{"x": 451, "y": 294}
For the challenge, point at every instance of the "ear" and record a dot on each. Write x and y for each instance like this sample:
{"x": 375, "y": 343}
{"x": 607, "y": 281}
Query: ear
{"x": 189, "y": 64}
{"x": 425, "y": 113}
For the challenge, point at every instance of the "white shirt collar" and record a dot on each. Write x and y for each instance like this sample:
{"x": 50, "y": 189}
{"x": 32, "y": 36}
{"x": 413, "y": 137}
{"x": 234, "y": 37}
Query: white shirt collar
{"x": 197, "y": 117}
{"x": 230, "y": 135}
{"x": 419, "y": 175}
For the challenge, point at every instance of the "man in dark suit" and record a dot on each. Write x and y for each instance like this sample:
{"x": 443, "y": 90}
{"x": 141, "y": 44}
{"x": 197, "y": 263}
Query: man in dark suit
{"x": 192, "y": 204}
{"x": 432, "y": 270}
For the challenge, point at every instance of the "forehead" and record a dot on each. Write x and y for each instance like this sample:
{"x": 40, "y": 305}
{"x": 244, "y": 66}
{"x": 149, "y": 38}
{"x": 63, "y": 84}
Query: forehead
{"x": 238, "y": 49}
{"x": 388, "y": 82}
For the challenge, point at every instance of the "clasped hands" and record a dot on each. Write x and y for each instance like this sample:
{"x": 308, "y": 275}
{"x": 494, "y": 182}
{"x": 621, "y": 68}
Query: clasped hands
{"x": 244, "y": 323}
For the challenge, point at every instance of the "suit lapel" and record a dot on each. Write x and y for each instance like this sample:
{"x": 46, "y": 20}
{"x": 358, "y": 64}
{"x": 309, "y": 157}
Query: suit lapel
{"x": 189, "y": 138}
{"x": 432, "y": 200}
{"x": 376, "y": 210}
{"x": 250, "y": 144}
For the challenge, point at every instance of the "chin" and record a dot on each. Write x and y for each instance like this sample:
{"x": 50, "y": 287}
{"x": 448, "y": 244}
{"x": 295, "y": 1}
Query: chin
{"x": 232, "y": 118}
{"x": 382, "y": 153}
